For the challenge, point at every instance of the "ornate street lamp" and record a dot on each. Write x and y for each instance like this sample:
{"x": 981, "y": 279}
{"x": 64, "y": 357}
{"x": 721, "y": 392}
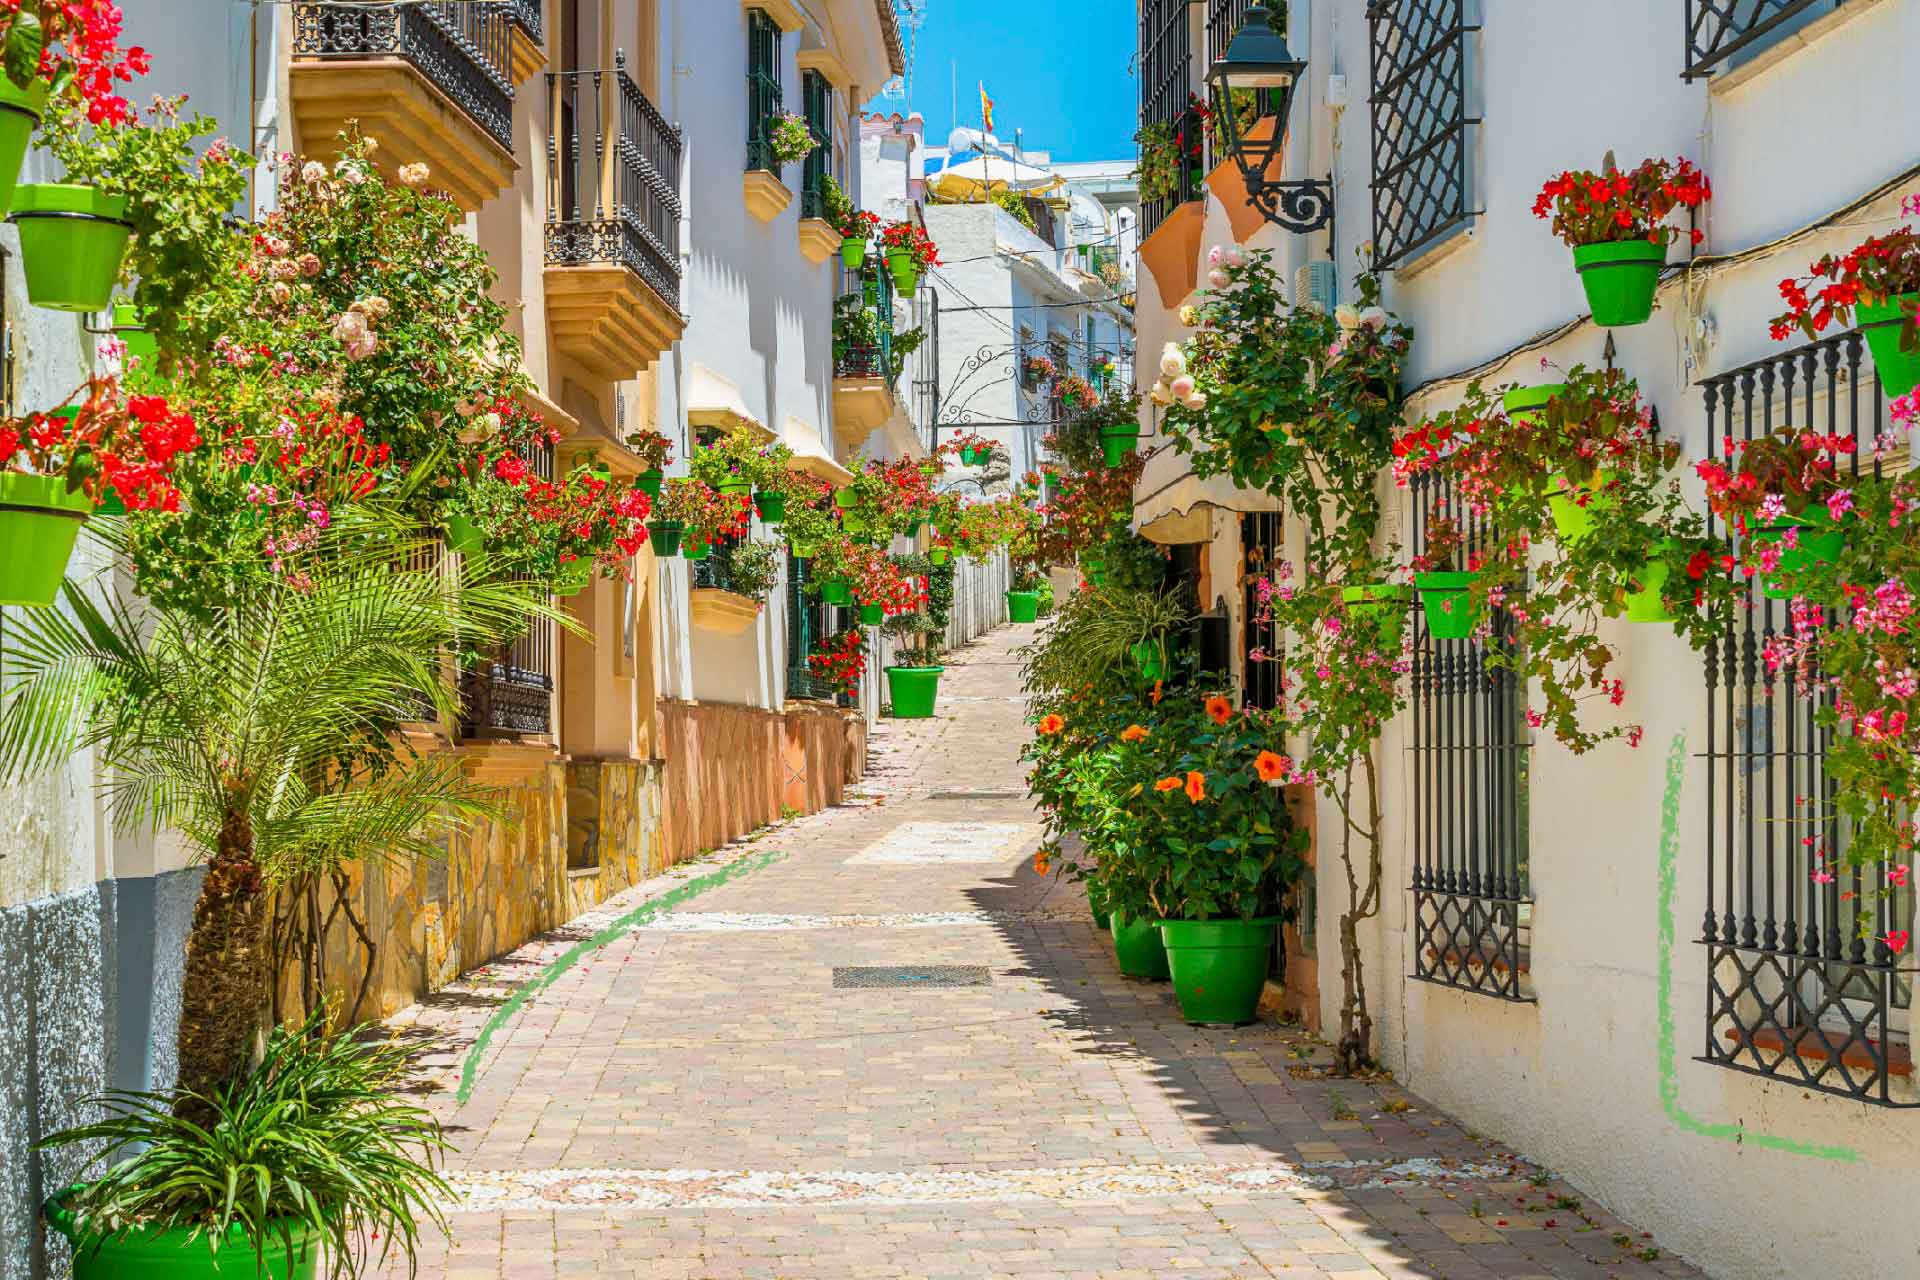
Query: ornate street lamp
{"x": 1260, "y": 70}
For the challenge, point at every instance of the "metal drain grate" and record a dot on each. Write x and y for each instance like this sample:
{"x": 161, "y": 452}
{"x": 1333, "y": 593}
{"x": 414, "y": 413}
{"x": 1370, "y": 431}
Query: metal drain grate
{"x": 910, "y": 975}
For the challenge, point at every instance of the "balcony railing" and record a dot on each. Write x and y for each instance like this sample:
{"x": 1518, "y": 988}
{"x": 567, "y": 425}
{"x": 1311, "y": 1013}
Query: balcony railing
{"x": 464, "y": 50}
{"x": 526, "y": 15}
{"x": 1718, "y": 30}
{"x": 613, "y": 178}
{"x": 510, "y": 691}
{"x": 862, "y": 359}
{"x": 1166, "y": 82}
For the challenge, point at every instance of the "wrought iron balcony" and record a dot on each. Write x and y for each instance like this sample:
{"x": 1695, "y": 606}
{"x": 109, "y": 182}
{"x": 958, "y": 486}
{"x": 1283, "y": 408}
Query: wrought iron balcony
{"x": 511, "y": 692}
{"x": 526, "y": 15}
{"x": 463, "y": 50}
{"x": 1166, "y": 84}
{"x": 1718, "y": 30}
{"x": 851, "y": 361}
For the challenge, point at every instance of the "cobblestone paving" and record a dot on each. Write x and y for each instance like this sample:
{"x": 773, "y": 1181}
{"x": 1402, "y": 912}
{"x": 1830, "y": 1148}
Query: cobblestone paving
{"x": 695, "y": 1098}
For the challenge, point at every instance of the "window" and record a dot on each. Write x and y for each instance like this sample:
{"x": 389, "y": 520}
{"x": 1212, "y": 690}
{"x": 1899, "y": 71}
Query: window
{"x": 763, "y": 89}
{"x": 1722, "y": 34}
{"x": 816, "y": 97}
{"x": 1797, "y": 990}
{"x": 1469, "y": 748}
{"x": 1422, "y": 160}
{"x": 1166, "y": 84}
{"x": 808, "y": 623}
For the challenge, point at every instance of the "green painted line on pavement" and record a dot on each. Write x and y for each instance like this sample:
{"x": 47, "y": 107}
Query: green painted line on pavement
{"x": 470, "y": 1068}
{"x": 1669, "y": 1054}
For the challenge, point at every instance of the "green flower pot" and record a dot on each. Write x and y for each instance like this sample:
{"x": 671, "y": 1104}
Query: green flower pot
{"x": 694, "y": 549}
{"x": 771, "y": 506}
{"x": 735, "y": 488}
{"x": 1620, "y": 278}
{"x": 1384, "y": 604}
{"x": 975, "y": 456}
{"x": 845, "y": 499}
{"x": 649, "y": 482}
{"x": 1218, "y": 967}
{"x": 1150, "y": 660}
{"x": 1883, "y": 323}
{"x": 913, "y": 691}
{"x": 1523, "y": 403}
{"x": 1446, "y": 600}
{"x": 1138, "y": 948}
{"x": 1645, "y": 604}
{"x": 912, "y": 530}
{"x": 666, "y": 535}
{"x": 464, "y": 536}
{"x": 835, "y": 591}
{"x": 1117, "y": 443}
{"x": 40, "y": 520}
{"x": 853, "y": 252}
{"x": 1097, "y": 905}
{"x": 574, "y": 577}
{"x": 20, "y": 112}
{"x": 1023, "y": 606}
{"x": 182, "y": 1253}
{"x": 72, "y": 241}
{"x": 1572, "y": 517}
{"x": 1818, "y": 542}
{"x": 906, "y": 276}
{"x": 129, "y": 328}
{"x": 939, "y": 555}
{"x": 872, "y": 615}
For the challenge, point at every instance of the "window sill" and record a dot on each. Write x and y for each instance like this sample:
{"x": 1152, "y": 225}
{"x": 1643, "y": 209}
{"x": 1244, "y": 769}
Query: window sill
{"x": 1771, "y": 54}
{"x": 767, "y": 197}
{"x": 1808, "y": 1044}
{"x": 1459, "y": 236}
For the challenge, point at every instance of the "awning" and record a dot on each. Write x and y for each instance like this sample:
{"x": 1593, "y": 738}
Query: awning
{"x": 971, "y": 178}
{"x": 810, "y": 453}
{"x": 713, "y": 401}
{"x": 1172, "y": 505}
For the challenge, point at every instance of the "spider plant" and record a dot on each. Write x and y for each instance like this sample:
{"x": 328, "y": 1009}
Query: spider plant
{"x": 1094, "y": 632}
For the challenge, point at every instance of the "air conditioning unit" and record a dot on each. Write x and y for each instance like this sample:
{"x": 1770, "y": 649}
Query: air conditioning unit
{"x": 1317, "y": 285}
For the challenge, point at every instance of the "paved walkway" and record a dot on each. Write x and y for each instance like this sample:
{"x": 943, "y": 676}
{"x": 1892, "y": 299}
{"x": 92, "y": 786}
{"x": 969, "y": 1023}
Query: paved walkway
{"x": 712, "y": 1091}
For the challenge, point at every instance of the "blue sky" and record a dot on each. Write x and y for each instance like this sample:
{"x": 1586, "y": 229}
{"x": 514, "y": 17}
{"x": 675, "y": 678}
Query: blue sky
{"x": 1058, "y": 70}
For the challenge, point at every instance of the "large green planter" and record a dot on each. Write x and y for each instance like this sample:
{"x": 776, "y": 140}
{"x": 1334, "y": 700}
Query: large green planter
{"x": 666, "y": 535}
{"x": 1620, "y": 278}
{"x": 1524, "y": 403}
{"x": 464, "y": 536}
{"x": 913, "y": 691}
{"x": 1883, "y": 323}
{"x": 853, "y": 252}
{"x": 771, "y": 506}
{"x": 650, "y": 481}
{"x": 1383, "y": 603}
{"x": 20, "y": 112}
{"x": 1023, "y": 606}
{"x": 872, "y": 615}
{"x": 835, "y": 591}
{"x": 181, "y": 1253}
{"x": 72, "y": 241}
{"x": 1817, "y": 542}
{"x": 40, "y": 520}
{"x": 1446, "y": 599}
{"x": 1218, "y": 967}
{"x": 1138, "y": 948}
{"x": 1117, "y": 441}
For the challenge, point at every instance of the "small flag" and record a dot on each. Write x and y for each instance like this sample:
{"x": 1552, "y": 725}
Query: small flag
{"x": 986, "y": 109}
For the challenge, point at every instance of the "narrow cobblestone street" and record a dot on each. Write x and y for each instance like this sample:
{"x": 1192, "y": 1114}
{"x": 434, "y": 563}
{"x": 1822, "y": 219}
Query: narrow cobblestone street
{"x": 706, "y": 1090}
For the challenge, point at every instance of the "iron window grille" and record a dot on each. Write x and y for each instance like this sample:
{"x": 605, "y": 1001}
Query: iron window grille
{"x": 1261, "y": 543}
{"x": 763, "y": 89}
{"x": 1166, "y": 87}
{"x": 1794, "y": 991}
{"x": 1422, "y": 161}
{"x": 809, "y": 621}
{"x": 1470, "y": 750}
{"x": 463, "y": 50}
{"x": 1224, "y": 18}
{"x": 926, "y": 368}
{"x": 1719, "y": 31}
{"x": 816, "y": 98}
{"x": 613, "y": 178}
{"x": 865, "y": 359}
{"x": 510, "y": 691}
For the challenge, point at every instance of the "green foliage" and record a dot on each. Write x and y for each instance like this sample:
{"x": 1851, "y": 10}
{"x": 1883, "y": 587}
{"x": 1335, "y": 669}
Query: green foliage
{"x": 1014, "y": 205}
{"x": 316, "y": 1139}
{"x": 856, "y": 326}
{"x": 753, "y": 568}
{"x": 1094, "y": 636}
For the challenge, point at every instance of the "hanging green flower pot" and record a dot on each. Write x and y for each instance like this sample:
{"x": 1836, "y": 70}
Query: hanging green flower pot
{"x": 574, "y": 577}
{"x": 836, "y": 591}
{"x": 464, "y": 536}
{"x": 696, "y": 549}
{"x": 20, "y": 112}
{"x": 1816, "y": 542}
{"x": 1620, "y": 278}
{"x": 1218, "y": 967}
{"x": 872, "y": 615}
{"x": 649, "y": 482}
{"x": 1883, "y": 323}
{"x": 1524, "y": 403}
{"x": 1382, "y": 603}
{"x": 913, "y": 691}
{"x": 734, "y": 487}
{"x": 1446, "y": 599}
{"x": 1573, "y": 507}
{"x": 183, "y": 1253}
{"x": 1150, "y": 659}
{"x": 853, "y": 252}
{"x": 72, "y": 241}
{"x": 976, "y": 455}
{"x": 131, "y": 330}
{"x": 40, "y": 520}
{"x": 1117, "y": 442}
{"x": 771, "y": 506}
{"x": 1138, "y": 948}
{"x": 666, "y": 536}
{"x": 1644, "y": 603}
{"x": 1023, "y": 606}
{"x": 845, "y": 499}
{"x": 906, "y": 275}
{"x": 939, "y": 555}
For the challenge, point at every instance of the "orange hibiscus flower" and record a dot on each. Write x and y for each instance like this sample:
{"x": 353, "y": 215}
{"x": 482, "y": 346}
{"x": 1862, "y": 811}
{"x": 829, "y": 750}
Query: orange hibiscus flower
{"x": 1167, "y": 784}
{"x": 1219, "y": 709}
{"x": 1132, "y": 733}
{"x": 1040, "y": 863}
{"x": 1156, "y": 695}
{"x": 1052, "y": 724}
{"x": 1196, "y": 786}
{"x": 1271, "y": 767}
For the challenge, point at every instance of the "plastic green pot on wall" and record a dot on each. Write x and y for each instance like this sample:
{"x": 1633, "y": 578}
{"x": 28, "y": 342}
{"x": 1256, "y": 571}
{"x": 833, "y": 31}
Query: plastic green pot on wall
{"x": 72, "y": 242}
{"x": 1884, "y": 323}
{"x": 666, "y": 536}
{"x": 40, "y": 520}
{"x": 20, "y": 112}
{"x": 853, "y": 252}
{"x": 1620, "y": 278}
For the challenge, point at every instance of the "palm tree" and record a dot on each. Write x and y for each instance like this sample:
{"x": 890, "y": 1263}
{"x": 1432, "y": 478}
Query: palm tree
{"x": 264, "y": 733}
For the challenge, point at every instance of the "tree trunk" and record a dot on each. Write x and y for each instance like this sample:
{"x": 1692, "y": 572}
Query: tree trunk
{"x": 1354, "y": 1051}
{"x": 225, "y": 990}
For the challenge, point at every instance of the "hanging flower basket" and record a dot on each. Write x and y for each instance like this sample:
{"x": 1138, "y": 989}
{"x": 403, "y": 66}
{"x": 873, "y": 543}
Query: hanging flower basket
{"x": 913, "y": 691}
{"x": 845, "y": 499}
{"x": 872, "y": 615}
{"x": 1620, "y": 279}
{"x": 906, "y": 275}
{"x": 976, "y": 455}
{"x": 735, "y": 488}
{"x": 1523, "y": 403}
{"x": 836, "y": 591}
{"x": 1218, "y": 967}
{"x": 939, "y": 555}
{"x": 40, "y": 520}
{"x": 1149, "y": 659}
{"x": 771, "y": 506}
{"x": 20, "y": 112}
{"x": 1023, "y": 606}
{"x": 649, "y": 482}
{"x": 1117, "y": 442}
{"x": 1384, "y": 604}
{"x": 853, "y": 252}
{"x": 1882, "y": 323}
{"x": 575, "y": 576}
{"x": 72, "y": 241}
{"x": 1816, "y": 542}
{"x": 1446, "y": 599}
{"x": 1138, "y": 948}
{"x": 666, "y": 536}
{"x": 1645, "y": 604}
{"x": 464, "y": 536}
{"x": 131, "y": 329}
{"x": 1573, "y": 510}
{"x": 696, "y": 549}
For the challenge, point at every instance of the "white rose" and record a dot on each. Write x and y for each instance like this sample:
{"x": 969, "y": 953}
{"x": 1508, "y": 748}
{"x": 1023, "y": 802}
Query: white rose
{"x": 1160, "y": 395}
{"x": 313, "y": 171}
{"x": 1181, "y": 387}
{"x": 1218, "y": 279}
{"x": 1374, "y": 318}
{"x": 1232, "y": 256}
{"x": 1172, "y": 362}
{"x": 1197, "y": 401}
{"x": 414, "y": 175}
{"x": 1347, "y": 317}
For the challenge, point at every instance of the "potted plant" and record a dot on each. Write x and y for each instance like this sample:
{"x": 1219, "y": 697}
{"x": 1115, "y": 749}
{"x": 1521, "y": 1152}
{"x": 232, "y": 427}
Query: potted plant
{"x": 1784, "y": 496}
{"x": 913, "y": 681}
{"x": 972, "y": 449}
{"x": 656, "y": 452}
{"x": 856, "y": 226}
{"x": 910, "y": 254}
{"x": 753, "y": 570}
{"x": 1615, "y": 224}
{"x": 1036, "y": 372}
{"x": 1877, "y": 285}
{"x": 1023, "y": 597}
{"x": 67, "y": 56}
{"x": 1446, "y": 592}
{"x": 790, "y": 138}
{"x": 840, "y": 661}
{"x": 703, "y": 515}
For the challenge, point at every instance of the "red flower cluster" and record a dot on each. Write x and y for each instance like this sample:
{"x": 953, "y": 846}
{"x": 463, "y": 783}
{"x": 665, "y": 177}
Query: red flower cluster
{"x": 1600, "y": 208}
{"x": 1879, "y": 267}
{"x": 841, "y": 660}
{"x": 911, "y": 237}
{"x": 129, "y": 447}
{"x": 83, "y": 37}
